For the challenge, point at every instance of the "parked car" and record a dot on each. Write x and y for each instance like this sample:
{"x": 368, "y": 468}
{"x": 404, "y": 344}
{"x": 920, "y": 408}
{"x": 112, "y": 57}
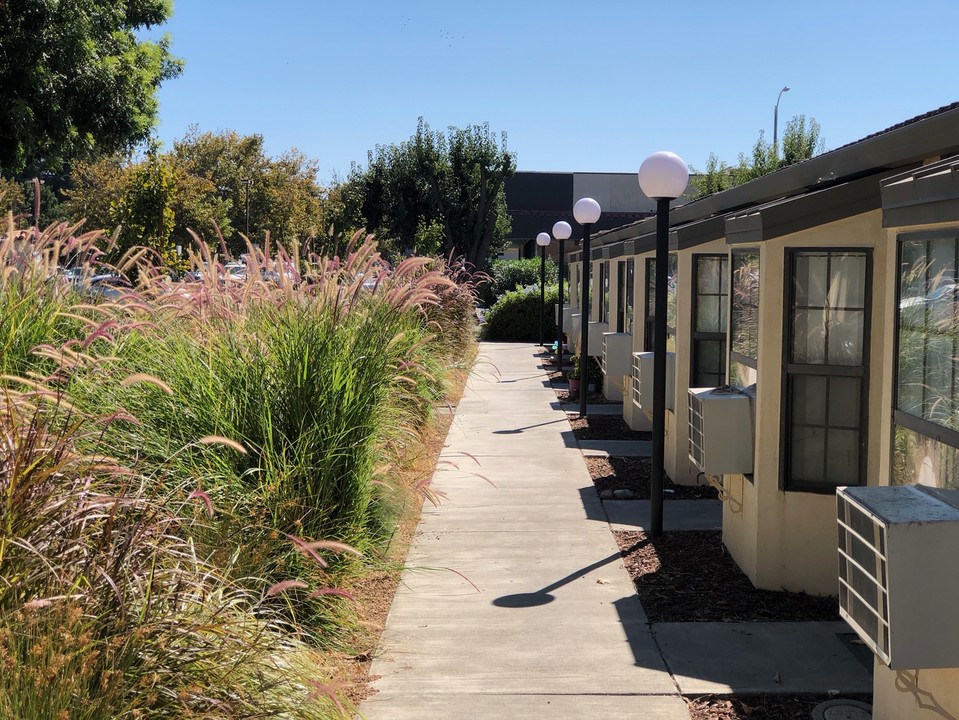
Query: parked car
{"x": 109, "y": 287}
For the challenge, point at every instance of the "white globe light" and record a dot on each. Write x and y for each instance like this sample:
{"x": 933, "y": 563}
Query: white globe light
{"x": 543, "y": 239}
{"x": 663, "y": 175}
{"x": 562, "y": 230}
{"x": 587, "y": 211}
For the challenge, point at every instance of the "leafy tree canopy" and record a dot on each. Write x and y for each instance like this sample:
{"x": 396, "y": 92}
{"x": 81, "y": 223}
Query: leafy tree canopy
{"x": 203, "y": 185}
{"x": 436, "y": 193}
{"x": 75, "y": 79}
{"x": 802, "y": 140}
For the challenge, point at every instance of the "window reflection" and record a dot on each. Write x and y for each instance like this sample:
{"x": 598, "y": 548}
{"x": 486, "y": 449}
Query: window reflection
{"x": 918, "y": 459}
{"x": 744, "y": 321}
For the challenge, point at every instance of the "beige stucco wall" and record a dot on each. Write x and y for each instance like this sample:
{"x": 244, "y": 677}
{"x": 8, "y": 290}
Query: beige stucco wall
{"x": 788, "y": 540}
{"x": 678, "y": 465}
{"x": 930, "y": 694}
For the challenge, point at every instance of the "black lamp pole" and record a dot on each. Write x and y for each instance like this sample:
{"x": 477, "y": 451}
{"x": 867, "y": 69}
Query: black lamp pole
{"x": 542, "y": 294}
{"x": 657, "y": 469}
{"x": 663, "y": 176}
{"x": 559, "y": 319}
{"x": 584, "y": 322}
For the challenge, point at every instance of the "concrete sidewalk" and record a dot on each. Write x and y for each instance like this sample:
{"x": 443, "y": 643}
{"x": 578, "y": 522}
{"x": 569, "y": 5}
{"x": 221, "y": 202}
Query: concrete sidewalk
{"x": 516, "y": 604}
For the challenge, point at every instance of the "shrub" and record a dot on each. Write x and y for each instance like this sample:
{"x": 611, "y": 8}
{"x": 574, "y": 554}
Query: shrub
{"x": 507, "y": 275}
{"x": 515, "y": 316}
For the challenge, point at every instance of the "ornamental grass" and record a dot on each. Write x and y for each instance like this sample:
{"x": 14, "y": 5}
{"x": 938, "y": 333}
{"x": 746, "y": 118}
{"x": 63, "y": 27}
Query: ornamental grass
{"x": 191, "y": 472}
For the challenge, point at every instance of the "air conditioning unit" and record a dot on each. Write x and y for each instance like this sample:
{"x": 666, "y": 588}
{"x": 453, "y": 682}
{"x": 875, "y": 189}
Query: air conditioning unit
{"x": 643, "y": 381}
{"x": 575, "y": 331}
{"x": 899, "y": 574}
{"x": 616, "y": 363}
{"x": 721, "y": 430}
{"x": 595, "y": 337}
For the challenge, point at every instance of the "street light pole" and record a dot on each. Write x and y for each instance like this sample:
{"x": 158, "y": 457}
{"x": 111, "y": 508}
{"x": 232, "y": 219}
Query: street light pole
{"x": 247, "y": 202}
{"x": 586, "y": 211}
{"x": 543, "y": 241}
{"x": 776, "y": 121}
{"x": 561, "y": 231}
{"x": 663, "y": 177}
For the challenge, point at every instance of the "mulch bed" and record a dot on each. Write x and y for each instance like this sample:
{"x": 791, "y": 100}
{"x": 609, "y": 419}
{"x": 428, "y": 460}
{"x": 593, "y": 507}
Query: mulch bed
{"x": 689, "y": 576}
{"x": 632, "y": 473}
{"x": 605, "y": 427}
{"x": 759, "y": 707}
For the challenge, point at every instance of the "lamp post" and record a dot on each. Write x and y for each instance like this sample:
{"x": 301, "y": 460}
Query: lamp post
{"x": 561, "y": 231}
{"x": 543, "y": 241}
{"x": 776, "y": 121}
{"x": 662, "y": 177}
{"x": 246, "y": 200}
{"x": 586, "y": 211}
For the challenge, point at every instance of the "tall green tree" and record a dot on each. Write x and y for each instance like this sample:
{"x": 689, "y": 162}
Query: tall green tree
{"x": 76, "y": 80}
{"x": 802, "y": 139}
{"x": 276, "y": 194}
{"x": 437, "y": 193}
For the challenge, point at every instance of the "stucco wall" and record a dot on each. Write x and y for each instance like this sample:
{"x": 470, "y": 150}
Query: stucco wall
{"x": 787, "y": 540}
{"x": 930, "y": 694}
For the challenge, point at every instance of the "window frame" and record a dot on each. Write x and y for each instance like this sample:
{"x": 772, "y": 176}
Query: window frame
{"x": 603, "y": 289}
{"x": 702, "y": 335}
{"x": 919, "y": 425}
{"x": 734, "y": 356}
{"x": 791, "y": 369}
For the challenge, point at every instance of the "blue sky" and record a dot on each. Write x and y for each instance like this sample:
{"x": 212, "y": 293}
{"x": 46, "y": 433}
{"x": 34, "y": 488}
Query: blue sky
{"x": 591, "y": 87}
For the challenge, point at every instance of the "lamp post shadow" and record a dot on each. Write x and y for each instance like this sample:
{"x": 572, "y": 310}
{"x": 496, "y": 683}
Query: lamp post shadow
{"x": 542, "y": 596}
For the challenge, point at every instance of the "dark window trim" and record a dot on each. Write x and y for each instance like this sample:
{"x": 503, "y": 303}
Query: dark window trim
{"x": 734, "y": 356}
{"x": 648, "y": 319}
{"x": 672, "y": 260}
{"x": 924, "y": 427}
{"x": 696, "y": 335}
{"x": 861, "y": 371}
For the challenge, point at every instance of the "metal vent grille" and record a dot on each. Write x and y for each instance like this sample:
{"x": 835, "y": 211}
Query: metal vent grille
{"x": 697, "y": 451}
{"x": 863, "y": 578}
{"x": 637, "y": 380}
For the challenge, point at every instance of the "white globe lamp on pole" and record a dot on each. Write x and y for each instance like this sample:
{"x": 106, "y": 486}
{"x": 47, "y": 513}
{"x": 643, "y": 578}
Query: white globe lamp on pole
{"x": 542, "y": 240}
{"x": 586, "y": 212}
{"x": 663, "y": 177}
{"x": 561, "y": 231}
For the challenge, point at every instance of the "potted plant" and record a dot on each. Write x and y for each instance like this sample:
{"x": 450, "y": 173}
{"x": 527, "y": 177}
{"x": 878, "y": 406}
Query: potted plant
{"x": 573, "y": 375}
{"x": 576, "y": 374}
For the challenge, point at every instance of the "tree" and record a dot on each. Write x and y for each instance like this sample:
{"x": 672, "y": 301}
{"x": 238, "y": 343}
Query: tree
{"x": 801, "y": 141}
{"x": 76, "y": 80}
{"x": 281, "y": 194}
{"x": 433, "y": 194}
{"x": 203, "y": 186}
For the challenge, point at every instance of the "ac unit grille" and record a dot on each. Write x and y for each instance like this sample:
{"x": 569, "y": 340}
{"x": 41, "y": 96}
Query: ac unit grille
{"x": 863, "y": 587}
{"x": 696, "y": 446}
{"x": 637, "y": 380}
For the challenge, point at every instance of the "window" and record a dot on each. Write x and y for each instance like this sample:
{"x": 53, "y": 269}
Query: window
{"x": 825, "y": 360}
{"x": 927, "y": 371}
{"x": 744, "y": 319}
{"x": 574, "y": 293}
{"x": 624, "y": 297}
{"x": 650, "y": 320}
{"x": 604, "y": 290}
{"x": 710, "y": 314}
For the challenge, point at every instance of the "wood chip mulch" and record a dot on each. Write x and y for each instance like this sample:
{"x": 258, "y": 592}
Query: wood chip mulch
{"x": 689, "y": 576}
{"x": 605, "y": 427}
{"x": 759, "y": 707}
{"x": 632, "y": 473}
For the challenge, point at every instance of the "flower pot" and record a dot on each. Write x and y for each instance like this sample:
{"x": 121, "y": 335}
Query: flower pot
{"x": 574, "y": 385}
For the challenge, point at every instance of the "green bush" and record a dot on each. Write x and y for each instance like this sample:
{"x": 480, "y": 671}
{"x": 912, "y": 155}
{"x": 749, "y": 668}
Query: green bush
{"x": 507, "y": 275}
{"x": 515, "y": 316}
